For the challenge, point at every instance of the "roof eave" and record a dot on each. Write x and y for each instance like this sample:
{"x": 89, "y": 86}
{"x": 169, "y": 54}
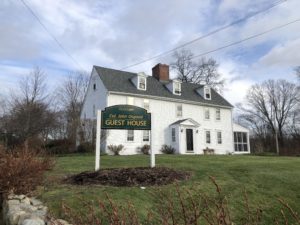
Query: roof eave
{"x": 170, "y": 99}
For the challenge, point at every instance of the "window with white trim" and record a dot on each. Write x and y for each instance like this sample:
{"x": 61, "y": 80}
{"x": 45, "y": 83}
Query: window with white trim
{"x": 173, "y": 135}
{"x": 142, "y": 83}
{"x": 206, "y": 114}
{"x": 207, "y": 93}
{"x": 240, "y": 141}
{"x": 146, "y": 104}
{"x": 218, "y": 114}
{"x": 179, "y": 110}
{"x": 94, "y": 86}
{"x": 207, "y": 136}
{"x": 176, "y": 88}
{"x": 219, "y": 137}
{"x": 130, "y": 100}
{"x": 130, "y": 135}
{"x": 146, "y": 134}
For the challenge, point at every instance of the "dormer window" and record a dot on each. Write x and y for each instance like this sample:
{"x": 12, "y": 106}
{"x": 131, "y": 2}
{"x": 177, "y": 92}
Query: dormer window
{"x": 207, "y": 93}
{"x": 176, "y": 88}
{"x": 142, "y": 83}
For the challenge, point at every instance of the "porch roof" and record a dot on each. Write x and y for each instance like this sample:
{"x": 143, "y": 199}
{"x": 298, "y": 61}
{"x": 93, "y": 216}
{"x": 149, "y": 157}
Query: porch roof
{"x": 189, "y": 120}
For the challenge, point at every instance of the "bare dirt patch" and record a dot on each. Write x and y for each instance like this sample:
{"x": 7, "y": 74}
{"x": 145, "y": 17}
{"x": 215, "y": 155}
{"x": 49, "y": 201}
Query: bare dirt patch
{"x": 138, "y": 176}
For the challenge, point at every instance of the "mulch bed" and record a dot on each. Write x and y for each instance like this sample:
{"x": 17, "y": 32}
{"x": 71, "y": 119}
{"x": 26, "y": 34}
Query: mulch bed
{"x": 138, "y": 176}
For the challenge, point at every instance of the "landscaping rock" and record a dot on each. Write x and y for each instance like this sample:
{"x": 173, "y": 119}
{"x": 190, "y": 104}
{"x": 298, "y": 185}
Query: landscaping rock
{"x": 26, "y": 201}
{"x": 14, "y": 216}
{"x": 58, "y": 222}
{"x": 13, "y": 202}
{"x": 21, "y": 210}
{"x": 35, "y": 202}
{"x": 33, "y": 221}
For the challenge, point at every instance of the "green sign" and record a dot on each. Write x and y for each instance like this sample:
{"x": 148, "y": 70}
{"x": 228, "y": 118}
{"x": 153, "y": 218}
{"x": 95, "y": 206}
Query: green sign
{"x": 127, "y": 117}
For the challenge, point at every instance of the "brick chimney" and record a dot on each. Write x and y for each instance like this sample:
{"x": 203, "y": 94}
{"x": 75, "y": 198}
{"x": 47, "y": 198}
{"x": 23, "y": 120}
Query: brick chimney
{"x": 161, "y": 72}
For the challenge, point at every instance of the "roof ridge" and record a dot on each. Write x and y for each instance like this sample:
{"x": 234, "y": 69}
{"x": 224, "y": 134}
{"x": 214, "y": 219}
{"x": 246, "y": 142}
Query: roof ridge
{"x": 102, "y": 67}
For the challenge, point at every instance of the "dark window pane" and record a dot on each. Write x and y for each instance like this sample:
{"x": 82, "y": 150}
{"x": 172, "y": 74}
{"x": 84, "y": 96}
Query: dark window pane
{"x": 239, "y": 136}
{"x": 208, "y": 137}
{"x": 245, "y": 148}
{"x": 235, "y": 147}
{"x": 245, "y": 137}
{"x": 240, "y": 147}
{"x": 235, "y": 136}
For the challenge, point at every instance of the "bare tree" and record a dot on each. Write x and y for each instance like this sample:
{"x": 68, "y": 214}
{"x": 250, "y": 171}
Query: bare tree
{"x": 71, "y": 95}
{"x": 297, "y": 71}
{"x": 271, "y": 104}
{"x": 32, "y": 88}
{"x": 204, "y": 71}
{"x": 2, "y": 105}
{"x": 29, "y": 115}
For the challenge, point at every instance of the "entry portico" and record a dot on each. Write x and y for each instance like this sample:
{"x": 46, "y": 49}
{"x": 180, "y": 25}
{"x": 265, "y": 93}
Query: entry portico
{"x": 185, "y": 136}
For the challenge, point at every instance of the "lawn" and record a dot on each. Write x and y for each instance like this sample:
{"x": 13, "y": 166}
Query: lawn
{"x": 264, "y": 178}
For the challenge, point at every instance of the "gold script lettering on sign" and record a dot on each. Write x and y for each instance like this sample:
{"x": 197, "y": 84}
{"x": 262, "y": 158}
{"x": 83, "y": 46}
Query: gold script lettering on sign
{"x": 122, "y": 116}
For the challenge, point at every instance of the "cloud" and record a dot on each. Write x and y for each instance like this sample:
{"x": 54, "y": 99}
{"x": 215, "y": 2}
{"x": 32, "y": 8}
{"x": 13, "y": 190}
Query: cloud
{"x": 237, "y": 90}
{"x": 283, "y": 55}
{"x": 116, "y": 33}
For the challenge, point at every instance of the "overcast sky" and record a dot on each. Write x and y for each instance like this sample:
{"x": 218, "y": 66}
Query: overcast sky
{"x": 117, "y": 33}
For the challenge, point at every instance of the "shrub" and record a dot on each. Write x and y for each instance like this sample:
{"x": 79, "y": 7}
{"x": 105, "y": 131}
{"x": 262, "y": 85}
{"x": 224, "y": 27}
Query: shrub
{"x": 179, "y": 206}
{"x": 115, "y": 149}
{"x": 85, "y": 147}
{"x": 167, "y": 149}
{"x": 22, "y": 170}
{"x": 145, "y": 149}
{"x": 265, "y": 154}
{"x": 59, "y": 146}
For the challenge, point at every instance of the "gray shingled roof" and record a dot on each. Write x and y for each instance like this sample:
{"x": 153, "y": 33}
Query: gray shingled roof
{"x": 120, "y": 81}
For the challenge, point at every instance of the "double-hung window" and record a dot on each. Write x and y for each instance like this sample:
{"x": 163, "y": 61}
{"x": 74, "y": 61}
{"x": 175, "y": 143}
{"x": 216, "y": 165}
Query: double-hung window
{"x": 146, "y": 104}
{"x": 146, "y": 135}
{"x": 207, "y": 93}
{"x": 142, "y": 83}
{"x": 218, "y": 114}
{"x": 219, "y": 137}
{"x": 206, "y": 114}
{"x": 130, "y": 135}
{"x": 173, "y": 135}
{"x": 179, "y": 110}
{"x": 207, "y": 135}
{"x": 177, "y": 88}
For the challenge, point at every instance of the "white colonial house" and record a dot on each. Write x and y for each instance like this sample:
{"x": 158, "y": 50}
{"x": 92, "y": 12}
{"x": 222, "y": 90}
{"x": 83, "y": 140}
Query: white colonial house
{"x": 192, "y": 118}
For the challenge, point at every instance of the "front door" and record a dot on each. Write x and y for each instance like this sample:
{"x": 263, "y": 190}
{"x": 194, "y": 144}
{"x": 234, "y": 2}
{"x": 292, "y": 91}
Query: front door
{"x": 189, "y": 140}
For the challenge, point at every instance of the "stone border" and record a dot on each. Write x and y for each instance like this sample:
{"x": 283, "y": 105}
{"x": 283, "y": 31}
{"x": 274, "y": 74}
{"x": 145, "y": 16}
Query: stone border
{"x": 22, "y": 210}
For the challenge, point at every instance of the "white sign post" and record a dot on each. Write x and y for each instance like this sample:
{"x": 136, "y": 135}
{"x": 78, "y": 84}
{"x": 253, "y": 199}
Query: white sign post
{"x": 152, "y": 157}
{"x": 98, "y": 141}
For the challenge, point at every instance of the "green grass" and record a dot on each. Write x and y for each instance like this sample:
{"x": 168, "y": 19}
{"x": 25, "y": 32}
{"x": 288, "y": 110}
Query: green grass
{"x": 264, "y": 178}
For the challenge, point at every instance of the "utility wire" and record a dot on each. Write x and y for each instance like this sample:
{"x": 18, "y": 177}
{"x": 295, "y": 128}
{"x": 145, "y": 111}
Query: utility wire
{"x": 207, "y": 34}
{"x": 246, "y": 39}
{"x": 51, "y": 35}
